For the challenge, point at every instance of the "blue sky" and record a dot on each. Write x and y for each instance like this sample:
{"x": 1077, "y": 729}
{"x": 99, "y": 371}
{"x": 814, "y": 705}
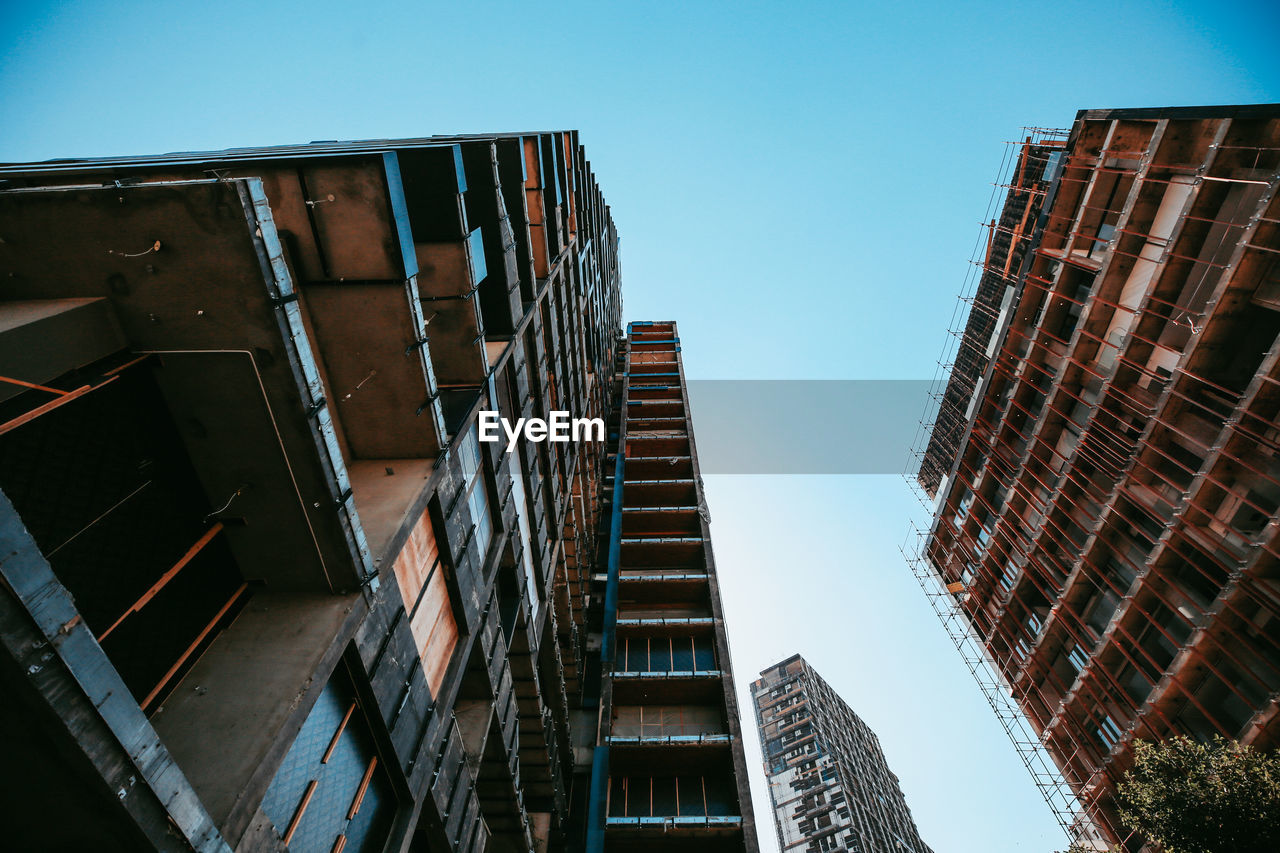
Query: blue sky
{"x": 798, "y": 184}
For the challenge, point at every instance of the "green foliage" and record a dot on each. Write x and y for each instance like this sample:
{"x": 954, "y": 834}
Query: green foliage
{"x": 1190, "y": 797}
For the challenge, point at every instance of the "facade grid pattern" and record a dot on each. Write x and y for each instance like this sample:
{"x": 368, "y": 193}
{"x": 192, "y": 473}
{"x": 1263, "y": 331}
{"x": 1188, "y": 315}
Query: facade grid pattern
{"x": 829, "y": 783}
{"x": 1103, "y": 539}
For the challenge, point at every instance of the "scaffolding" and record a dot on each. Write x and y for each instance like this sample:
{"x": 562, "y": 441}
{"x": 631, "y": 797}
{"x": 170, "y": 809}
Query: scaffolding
{"x": 1100, "y": 553}
{"x": 952, "y": 381}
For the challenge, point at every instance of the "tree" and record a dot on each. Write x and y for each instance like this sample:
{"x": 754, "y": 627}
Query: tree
{"x": 1189, "y": 797}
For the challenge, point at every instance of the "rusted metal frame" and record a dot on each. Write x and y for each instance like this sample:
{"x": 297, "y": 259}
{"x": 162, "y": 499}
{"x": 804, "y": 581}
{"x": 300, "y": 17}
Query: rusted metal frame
{"x": 1234, "y": 180}
{"x": 1211, "y": 459}
{"x": 55, "y": 403}
{"x": 358, "y": 800}
{"x": 962, "y": 534}
{"x": 165, "y": 578}
{"x": 8, "y": 380}
{"x": 1207, "y": 475}
{"x": 1086, "y": 638}
{"x": 1017, "y": 188}
{"x": 1092, "y": 209}
{"x": 182, "y": 659}
{"x": 1125, "y": 653}
{"x": 1109, "y": 443}
{"x": 1079, "y": 233}
{"x": 1083, "y": 562}
{"x": 1227, "y": 223}
{"x": 300, "y": 811}
{"x": 1035, "y": 281}
{"x": 1164, "y": 167}
{"x": 1119, "y": 619}
{"x": 1172, "y": 306}
{"x": 1173, "y": 678}
{"x": 1139, "y": 462}
{"x": 1114, "y": 390}
{"x": 1032, "y": 474}
{"x": 1121, "y": 358}
{"x": 1062, "y": 723}
{"x": 1042, "y": 509}
{"x": 1079, "y": 686}
{"x": 1008, "y": 618}
{"x": 1109, "y": 684}
{"x": 1111, "y": 503}
{"x": 972, "y": 300}
{"x": 1118, "y": 152}
{"x": 1148, "y": 587}
{"x": 1166, "y": 697}
{"x": 1220, "y": 624}
{"x": 337, "y": 735}
{"x": 1243, "y": 412}
{"x": 1094, "y": 702}
{"x": 1087, "y": 194}
{"x": 1173, "y": 254}
{"x": 1244, "y": 401}
{"x": 1015, "y": 233}
{"x": 1177, "y": 532}
{"x": 1092, "y": 421}
{"x": 1191, "y": 502}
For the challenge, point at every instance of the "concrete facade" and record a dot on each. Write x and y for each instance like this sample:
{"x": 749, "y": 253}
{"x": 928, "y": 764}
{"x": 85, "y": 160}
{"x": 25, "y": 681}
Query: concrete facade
{"x": 1106, "y": 513}
{"x": 829, "y": 783}
{"x": 264, "y": 587}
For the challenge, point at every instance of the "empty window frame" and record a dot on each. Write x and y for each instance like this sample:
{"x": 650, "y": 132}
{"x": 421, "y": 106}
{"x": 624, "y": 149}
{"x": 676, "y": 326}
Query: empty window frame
{"x": 656, "y": 721}
{"x": 667, "y": 654}
{"x": 672, "y": 796}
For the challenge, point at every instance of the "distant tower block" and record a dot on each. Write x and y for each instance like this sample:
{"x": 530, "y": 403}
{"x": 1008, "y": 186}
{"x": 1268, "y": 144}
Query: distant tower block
{"x": 830, "y": 786}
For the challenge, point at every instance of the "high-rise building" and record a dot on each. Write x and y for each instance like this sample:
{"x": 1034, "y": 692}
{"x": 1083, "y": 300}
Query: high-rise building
{"x": 1105, "y": 455}
{"x": 670, "y": 739}
{"x": 265, "y": 584}
{"x": 829, "y": 783}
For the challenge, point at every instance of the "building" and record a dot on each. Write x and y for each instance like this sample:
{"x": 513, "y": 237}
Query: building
{"x": 265, "y": 588}
{"x": 829, "y": 783}
{"x": 670, "y": 740}
{"x": 1105, "y": 467}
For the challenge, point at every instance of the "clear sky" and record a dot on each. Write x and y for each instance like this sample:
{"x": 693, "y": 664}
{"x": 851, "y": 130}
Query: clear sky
{"x": 798, "y": 184}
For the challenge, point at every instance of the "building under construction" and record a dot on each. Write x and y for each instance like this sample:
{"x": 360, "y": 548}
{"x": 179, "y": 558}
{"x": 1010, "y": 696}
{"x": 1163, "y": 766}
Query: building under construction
{"x": 1104, "y": 452}
{"x": 670, "y": 737}
{"x": 265, "y": 589}
{"x": 829, "y": 783}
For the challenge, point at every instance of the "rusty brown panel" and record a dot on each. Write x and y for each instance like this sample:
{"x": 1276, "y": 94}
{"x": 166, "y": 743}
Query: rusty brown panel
{"x": 421, "y": 580}
{"x": 443, "y": 269}
{"x": 1185, "y": 142}
{"x": 1129, "y": 140}
{"x": 289, "y": 211}
{"x": 203, "y": 287}
{"x": 365, "y": 333}
{"x": 533, "y": 203}
{"x": 566, "y": 145}
{"x": 458, "y": 356}
{"x": 358, "y": 239}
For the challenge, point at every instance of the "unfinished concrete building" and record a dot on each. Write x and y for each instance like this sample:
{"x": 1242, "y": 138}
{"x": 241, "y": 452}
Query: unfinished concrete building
{"x": 670, "y": 740}
{"x": 1104, "y": 540}
{"x": 829, "y": 783}
{"x": 263, "y": 587}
